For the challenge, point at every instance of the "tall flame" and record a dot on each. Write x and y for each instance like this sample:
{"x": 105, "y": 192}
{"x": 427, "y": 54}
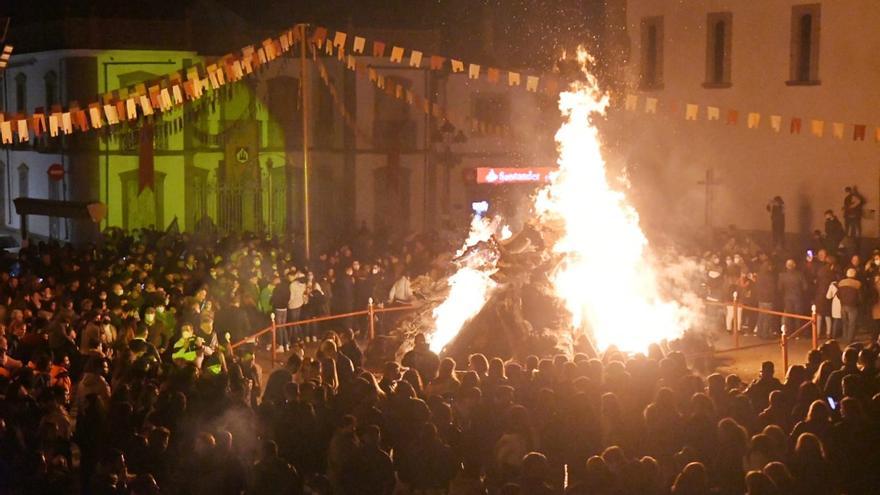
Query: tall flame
{"x": 605, "y": 278}
{"x": 469, "y": 287}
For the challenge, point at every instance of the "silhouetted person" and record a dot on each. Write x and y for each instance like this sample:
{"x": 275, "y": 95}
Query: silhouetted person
{"x": 776, "y": 207}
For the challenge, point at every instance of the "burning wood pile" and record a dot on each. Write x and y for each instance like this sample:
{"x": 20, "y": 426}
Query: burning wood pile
{"x": 522, "y": 315}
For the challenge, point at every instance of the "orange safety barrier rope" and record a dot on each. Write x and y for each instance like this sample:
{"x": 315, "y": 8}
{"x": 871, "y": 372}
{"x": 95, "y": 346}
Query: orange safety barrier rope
{"x": 370, "y": 311}
{"x": 758, "y": 310}
{"x": 810, "y": 321}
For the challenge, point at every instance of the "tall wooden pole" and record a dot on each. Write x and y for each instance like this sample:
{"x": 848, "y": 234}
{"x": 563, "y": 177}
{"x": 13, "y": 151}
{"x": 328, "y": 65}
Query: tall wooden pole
{"x": 304, "y": 94}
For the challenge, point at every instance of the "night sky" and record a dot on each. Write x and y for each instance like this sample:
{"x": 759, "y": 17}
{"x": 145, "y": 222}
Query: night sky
{"x": 522, "y": 32}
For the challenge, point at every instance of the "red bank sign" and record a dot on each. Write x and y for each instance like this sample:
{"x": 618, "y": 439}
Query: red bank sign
{"x": 511, "y": 175}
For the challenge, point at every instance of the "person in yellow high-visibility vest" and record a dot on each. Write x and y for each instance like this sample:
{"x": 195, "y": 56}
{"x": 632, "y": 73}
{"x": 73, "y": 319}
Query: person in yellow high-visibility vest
{"x": 186, "y": 348}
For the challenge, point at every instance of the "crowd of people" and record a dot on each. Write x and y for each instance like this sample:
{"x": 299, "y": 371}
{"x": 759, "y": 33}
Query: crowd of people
{"x": 82, "y": 329}
{"x": 830, "y": 277}
{"x": 118, "y": 377}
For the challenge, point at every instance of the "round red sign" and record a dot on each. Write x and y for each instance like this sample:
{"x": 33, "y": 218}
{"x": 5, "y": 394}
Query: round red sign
{"x": 56, "y": 171}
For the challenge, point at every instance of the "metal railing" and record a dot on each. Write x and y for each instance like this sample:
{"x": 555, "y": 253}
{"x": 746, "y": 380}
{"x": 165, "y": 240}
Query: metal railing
{"x": 370, "y": 312}
{"x": 786, "y": 336}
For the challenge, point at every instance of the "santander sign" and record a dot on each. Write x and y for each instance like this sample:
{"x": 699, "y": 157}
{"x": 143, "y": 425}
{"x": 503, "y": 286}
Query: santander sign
{"x": 512, "y": 175}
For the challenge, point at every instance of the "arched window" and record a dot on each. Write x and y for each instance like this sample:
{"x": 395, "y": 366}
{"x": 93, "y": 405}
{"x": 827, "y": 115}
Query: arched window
{"x": 21, "y": 93}
{"x": 805, "y": 29}
{"x": 652, "y": 53}
{"x": 806, "y": 47}
{"x": 23, "y": 181}
{"x": 392, "y": 126}
{"x": 51, "y": 85}
{"x": 718, "y": 42}
{"x": 719, "y": 28}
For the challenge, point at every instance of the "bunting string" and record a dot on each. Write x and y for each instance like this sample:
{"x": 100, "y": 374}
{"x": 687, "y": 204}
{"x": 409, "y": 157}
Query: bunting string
{"x": 775, "y": 123}
{"x": 390, "y": 87}
{"x": 149, "y": 99}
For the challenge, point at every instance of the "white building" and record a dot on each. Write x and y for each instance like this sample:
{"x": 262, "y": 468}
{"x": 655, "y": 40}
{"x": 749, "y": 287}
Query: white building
{"x": 779, "y": 59}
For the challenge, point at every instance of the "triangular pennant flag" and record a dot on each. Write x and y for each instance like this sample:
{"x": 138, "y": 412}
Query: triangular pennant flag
{"x": 378, "y": 49}
{"x": 177, "y": 94}
{"x": 188, "y": 90}
{"x": 226, "y": 67}
{"x": 339, "y": 39}
{"x": 837, "y": 129}
{"x": 532, "y": 84}
{"x": 359, "y": 44}
{"x": 131, "y": 109}
{"x": 23, "y": 134}
{"x": 691, "y": 110}
{"x": 80, "y": 120}
{"x": 146, "y": 106}
{"x": 120, "y": 110}
{"x": 237, "y": 70}
{"x": 817, "y": 128}
{"x": 319, "y": 36}
{"x": 212, "y": 77}
{"x": 713, "y": 113}
{"x": 192, "y": 76}
{"x": 795, "y": 127}
{"x": 415, "y": 59}
{"x": 154, "y": 96}
{"x": 165, "y": 100}
{"x": 473, "y": 71}
{"x": 513, "y": 78}
{"x": 396, "y": 54}
{"x": 437, "y": 62}
{"x": 54, "y": 123}
{"x": 111, "y": 114}
{"x": 6, "y": 132}
{"x": 95, "y": 116}
{"x": 40, "y": 123}
{"x": 66, "y": 123}
{"x": 859, "y": 132}
{"x": 34, "y": 126}
{"x": 492, "y": 75}
{"x": 732, "y": 117}
{"x": 457, "y": 66}
{"x": 247, "y": 67}
{"x": 268, "y": 49}
{"x": 651, "y": 105}
{"x": 753, "y": 120}
{"x": 632, "y": 102}
{"x": 776, "y": 123}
